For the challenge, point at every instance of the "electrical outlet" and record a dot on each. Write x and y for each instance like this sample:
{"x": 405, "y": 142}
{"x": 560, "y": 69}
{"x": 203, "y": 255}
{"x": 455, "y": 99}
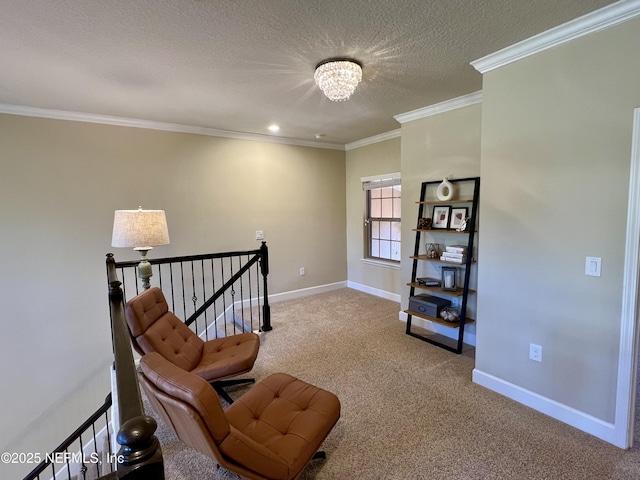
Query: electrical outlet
{"x": 302, "y": 271}
{"x": 535, "y": 352}
{"x": 259, "y": 235}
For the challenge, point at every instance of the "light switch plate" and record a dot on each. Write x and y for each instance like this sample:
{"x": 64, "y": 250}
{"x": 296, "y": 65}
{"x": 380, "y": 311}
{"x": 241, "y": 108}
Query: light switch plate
{"x": 592, "y": 266}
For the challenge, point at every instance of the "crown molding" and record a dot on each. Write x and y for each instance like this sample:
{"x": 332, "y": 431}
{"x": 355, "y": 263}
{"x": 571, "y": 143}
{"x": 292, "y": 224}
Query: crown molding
{"x": 441, "y": 107}
{"x": 371, "y": 140}
{"x": 605, "y": 17}
{"x": 151, "y": 125}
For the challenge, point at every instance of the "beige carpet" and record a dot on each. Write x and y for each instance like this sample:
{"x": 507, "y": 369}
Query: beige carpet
{"x": 409, "y": 409}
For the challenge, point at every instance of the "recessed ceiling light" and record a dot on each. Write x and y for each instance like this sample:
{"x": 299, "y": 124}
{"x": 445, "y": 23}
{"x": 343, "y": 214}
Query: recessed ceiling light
{"x": 274, "y": 128}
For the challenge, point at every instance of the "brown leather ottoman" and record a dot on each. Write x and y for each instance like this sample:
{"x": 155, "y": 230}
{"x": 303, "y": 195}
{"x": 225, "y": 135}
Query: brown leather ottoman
{"x": 270, "y": 432}
{"x": 287, "y": 416}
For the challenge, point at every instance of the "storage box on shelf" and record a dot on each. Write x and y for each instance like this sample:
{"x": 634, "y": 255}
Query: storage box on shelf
{"x": 454, "y": 219}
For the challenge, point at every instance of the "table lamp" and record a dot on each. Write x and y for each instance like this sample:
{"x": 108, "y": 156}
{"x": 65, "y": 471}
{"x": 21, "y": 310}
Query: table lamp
{"x": 141, "y": 230}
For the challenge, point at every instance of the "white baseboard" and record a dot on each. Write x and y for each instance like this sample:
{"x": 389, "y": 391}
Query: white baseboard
{"x": 468, "y": 338}
{"x": 374, "y": 291}
{"x": 303, "y": 292}
{"x": 580, "y": 420}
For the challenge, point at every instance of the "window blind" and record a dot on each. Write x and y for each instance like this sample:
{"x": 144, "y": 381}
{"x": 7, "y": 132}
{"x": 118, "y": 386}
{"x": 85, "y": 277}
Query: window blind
{"x": 380, "y": 181}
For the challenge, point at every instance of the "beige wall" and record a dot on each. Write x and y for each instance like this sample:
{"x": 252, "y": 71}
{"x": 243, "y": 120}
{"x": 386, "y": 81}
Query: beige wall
{"x": 556, "y": 144}
{"x": 438, "y": 146}
{"x": 375, "y": 159}
{"x": 59, "y": 185}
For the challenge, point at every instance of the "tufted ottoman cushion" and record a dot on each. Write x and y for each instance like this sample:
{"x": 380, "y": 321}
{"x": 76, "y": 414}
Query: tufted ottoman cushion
{"x": 278, "y": 425}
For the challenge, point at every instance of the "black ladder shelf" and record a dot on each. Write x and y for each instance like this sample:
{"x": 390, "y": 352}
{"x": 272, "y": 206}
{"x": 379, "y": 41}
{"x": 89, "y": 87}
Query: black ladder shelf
{"x": 469, "y": 233}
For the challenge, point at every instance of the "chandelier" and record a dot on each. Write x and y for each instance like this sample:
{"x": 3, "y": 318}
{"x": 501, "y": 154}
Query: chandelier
{"x": 338, "y": 77}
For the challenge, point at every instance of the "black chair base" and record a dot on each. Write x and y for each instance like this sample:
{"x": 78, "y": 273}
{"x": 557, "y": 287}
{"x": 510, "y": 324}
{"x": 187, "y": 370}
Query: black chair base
{"x": 219, "y": 386}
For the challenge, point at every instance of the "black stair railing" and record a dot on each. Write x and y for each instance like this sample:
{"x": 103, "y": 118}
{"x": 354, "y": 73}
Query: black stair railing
{"x": 216, "y": 294}
{"x": 86, "y": 453}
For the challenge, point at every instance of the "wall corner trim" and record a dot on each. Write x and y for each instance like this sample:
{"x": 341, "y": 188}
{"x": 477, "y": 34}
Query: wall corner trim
{"x": 371, "y": 140}
{"x": 628, "y": 353}
{"x": 459, "y": 102}
{"x": 600, "y": 19}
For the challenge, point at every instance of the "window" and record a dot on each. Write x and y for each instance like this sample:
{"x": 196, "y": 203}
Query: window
{"x": 382, "y": 217}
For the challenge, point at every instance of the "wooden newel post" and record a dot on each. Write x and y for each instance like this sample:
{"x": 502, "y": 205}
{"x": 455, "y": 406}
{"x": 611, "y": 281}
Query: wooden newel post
{"x": 264, "y": 269}
{"x": 140, "y": 456}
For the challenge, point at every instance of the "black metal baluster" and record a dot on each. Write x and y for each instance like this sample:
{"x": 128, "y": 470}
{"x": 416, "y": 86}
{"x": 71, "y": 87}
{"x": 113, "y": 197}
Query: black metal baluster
{"x": 95, "y": 448}
{"x": 83, "y": 468}
{"x": 233, "y": 299}
{"x": 194, "y": 298}
{"x": 241, "y": 294}
{"x": 224, "y": 303}
{"x": 215, "y": 308}
{"x": 250, "y": 297}
{"x": 184, "y": 299}
{"x": 109, "y": 451}
{"x": 173, "y": 293}
{"x": 258, "y": 294}
{"x": 66, "y": 450}
{"x": 204, "y": 295}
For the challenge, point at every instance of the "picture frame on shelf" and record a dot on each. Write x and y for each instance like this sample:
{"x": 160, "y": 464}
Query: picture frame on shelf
{"x": 449, "y": 279}
{"x": 440, "y": 219}
{"x": 458, "y": 217}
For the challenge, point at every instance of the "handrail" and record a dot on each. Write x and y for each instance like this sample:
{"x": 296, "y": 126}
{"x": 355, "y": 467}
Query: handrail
{"x": 186, "y": 258}
{"x": 140, "y": 454}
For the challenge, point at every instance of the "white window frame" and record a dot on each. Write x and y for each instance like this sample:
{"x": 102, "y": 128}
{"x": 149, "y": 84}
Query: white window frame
{"x": 369, "y": 183}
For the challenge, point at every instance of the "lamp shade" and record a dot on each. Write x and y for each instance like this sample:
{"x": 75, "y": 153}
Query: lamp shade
{"x": 139, "y": 228}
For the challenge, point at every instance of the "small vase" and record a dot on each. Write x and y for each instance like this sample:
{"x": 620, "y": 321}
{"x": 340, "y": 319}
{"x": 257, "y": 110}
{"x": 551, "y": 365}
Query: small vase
{"x": 445, "y": 190}
{"x": 432, "y": 250}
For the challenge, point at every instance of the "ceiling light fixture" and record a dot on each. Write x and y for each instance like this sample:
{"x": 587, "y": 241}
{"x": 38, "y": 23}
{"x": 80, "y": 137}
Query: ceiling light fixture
{"x": 274, "y": 128}
{"x": 338, "y": 77}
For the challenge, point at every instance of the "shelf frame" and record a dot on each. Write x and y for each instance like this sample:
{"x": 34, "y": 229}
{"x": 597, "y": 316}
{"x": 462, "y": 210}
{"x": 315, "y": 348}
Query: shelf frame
{"x": 471, "y": 232}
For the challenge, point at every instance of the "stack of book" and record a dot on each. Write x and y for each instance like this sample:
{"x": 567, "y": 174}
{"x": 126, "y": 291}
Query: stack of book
{"x": 455, "y": 254}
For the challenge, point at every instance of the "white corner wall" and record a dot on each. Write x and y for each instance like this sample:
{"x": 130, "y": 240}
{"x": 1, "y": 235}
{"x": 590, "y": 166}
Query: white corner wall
{"x": 556, "y": 145}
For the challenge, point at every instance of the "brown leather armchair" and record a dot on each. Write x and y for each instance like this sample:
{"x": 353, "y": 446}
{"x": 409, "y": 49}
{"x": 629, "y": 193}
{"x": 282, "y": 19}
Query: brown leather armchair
{"x": 154, "y": 328}
{"x": 270, "y": 432}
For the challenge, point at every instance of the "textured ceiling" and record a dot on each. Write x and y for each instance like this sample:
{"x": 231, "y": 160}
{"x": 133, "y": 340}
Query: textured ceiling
{"x": 240, "y": 65}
